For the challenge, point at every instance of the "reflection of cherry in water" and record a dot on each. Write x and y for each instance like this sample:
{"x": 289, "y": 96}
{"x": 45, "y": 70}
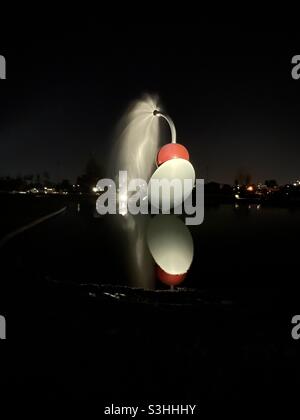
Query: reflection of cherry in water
{"x": 169, "y": 279}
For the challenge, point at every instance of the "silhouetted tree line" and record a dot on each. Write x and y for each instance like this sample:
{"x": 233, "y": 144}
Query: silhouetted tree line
{"x": 85, "y": 182}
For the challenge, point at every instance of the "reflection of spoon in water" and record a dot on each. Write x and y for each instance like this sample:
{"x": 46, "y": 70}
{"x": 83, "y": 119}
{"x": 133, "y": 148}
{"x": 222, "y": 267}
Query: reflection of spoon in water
{"x": 172, "y": 165}
{"x": 171, "y": 246}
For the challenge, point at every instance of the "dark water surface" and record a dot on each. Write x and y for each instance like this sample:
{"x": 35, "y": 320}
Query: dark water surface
{"x": 241, "y": 246}
{"x": 228, "y": 340}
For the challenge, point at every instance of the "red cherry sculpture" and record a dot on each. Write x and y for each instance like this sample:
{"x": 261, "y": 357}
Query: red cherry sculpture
{"x": 172, "y": 151}
{"x": 169, "y": 279}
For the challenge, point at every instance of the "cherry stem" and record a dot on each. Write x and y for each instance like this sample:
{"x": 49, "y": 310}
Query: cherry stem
{"x": 169, "y": 121}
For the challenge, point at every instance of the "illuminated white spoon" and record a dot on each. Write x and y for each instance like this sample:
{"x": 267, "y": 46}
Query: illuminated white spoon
{"x": 173, "y": 172}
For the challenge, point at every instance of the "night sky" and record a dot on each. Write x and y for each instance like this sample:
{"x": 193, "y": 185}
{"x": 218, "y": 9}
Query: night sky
{"x": 229, "y": 92}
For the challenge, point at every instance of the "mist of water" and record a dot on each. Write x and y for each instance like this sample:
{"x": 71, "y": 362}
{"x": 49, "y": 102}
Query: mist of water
{"x": 137, "y": 139}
